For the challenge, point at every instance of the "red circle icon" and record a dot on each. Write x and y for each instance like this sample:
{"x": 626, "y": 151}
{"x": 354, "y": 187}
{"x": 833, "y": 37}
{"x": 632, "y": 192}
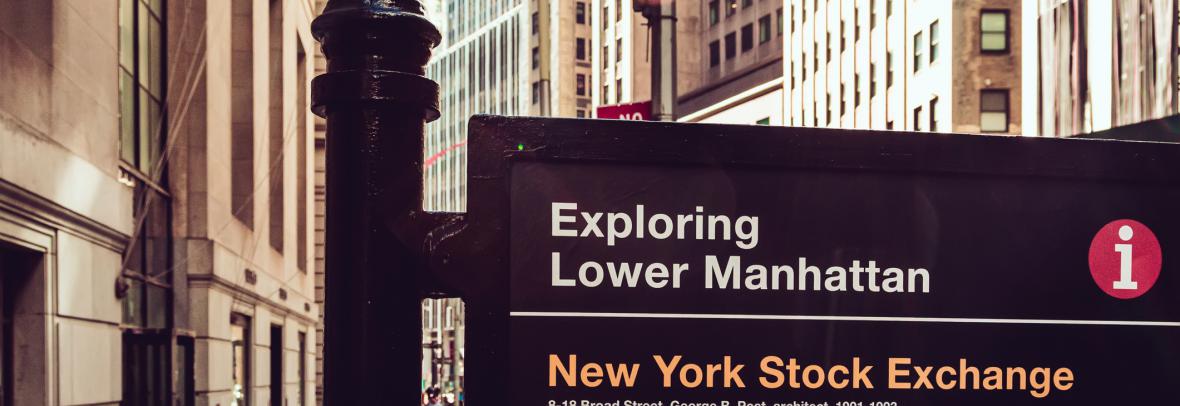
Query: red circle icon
{"x": 1125, "y": 259}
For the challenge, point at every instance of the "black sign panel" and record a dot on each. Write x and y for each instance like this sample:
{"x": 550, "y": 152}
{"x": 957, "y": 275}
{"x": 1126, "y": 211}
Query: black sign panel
{"x": 671, "y": 264}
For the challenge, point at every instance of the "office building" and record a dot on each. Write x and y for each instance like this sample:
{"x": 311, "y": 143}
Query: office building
{"x": 240, "y": 179}
{"x": 482, "y": 66}
{"x": 154, "y": 212}
{"x": 740, "y": 67}
{"x": 510, "y": 57}
{"x": 1097, "y": 65}
{"x": 621, "y": 70}
{"x": 919, "y": 65}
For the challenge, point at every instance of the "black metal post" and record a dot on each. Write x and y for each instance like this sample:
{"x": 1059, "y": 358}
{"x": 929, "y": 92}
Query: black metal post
{"x": 661, "y": 17}
{"x": 376, "y": 102}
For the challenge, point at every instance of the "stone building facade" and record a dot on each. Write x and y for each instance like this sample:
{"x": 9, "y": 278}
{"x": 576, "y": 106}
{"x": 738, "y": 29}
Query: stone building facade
{"x": 66, "y": 207}
{"x": 740, "y": 63}
{"x": 155, "y": 202}
{"x": 242, "y": 184}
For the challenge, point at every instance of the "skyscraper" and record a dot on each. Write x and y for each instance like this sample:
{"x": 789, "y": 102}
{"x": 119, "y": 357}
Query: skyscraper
{"x": 1100, "y": 64}
{"x": 508, "y": 57}
{"x": 922, "y": 65}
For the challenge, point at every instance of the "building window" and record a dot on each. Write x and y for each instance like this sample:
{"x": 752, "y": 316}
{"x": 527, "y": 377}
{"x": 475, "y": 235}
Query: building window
{"x": 933, "y": 114}
{"x": 730, "y": 46}
{"x": 580, "y": 48}
{"x": 605, "y": 56}
{"x": 872, "y": 14}
{"x": 302, "y": 368}
{"x": 536, "y": 57}
{"x": 918, "y": 118}
{"x": 843, "y": 35}
{"x": 872, "y": 80}
{"x": 747, "y": 37}
{"x": 889, "y": 69}
{"x": 714, "y": 13}
{"x": 933, "y": 41}
{"x": 302, "y": 106}
{"x": 619, "y": 10}
{"x": 803, "y": 67}
{"x": 184, "y": 391}
{"x": 536, "y": 23}
{"x": 888, "y": 8}
{"x": 747, "y": 3}
{"x": 730, "y": 7}
{"x": 605, "y": 92}
{"x": 277, "y": 355}
{"x": 618, "y": 90}
{"x": 580, "y": 12}
{"x": 141, "y": 86}
{"x": 856, "y": 23}
{"x": 764, "y": 29}
{"x": 618, "y": 50}
{"x": 242, "y": 99}
{"x": 277, "y": 134}
{"x": 536, "y": 92}
{"x": 918, "y": 47}
{"x": 843, "y": 100}
{"x": 763, "y": 121}
{"x": 581, "y": 84}
{"x": 141, "y": 141}
{"x": 815, "y": 57}
{"x": 803, "y": 12}
{"x": 714, "y": 53}
{"x": 605, "y": 17}
{"x": 828, "y": 51}
{"x": 889, "y": 125}
{"x": 993, "y": 110}
{"x": 145, "y": 304}
{"x": 240, "y": 345}
{"x": 580, "y": 113}
{"x": 779, "y": 14}
{"x": 856, "y": 89}
{"x": 993, "y": 31}
{"x": 828, "y": 107}
{"x": 791, "y": 69}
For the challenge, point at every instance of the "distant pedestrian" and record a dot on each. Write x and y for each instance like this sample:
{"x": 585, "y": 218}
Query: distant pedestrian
{"x": 434, "y": 398}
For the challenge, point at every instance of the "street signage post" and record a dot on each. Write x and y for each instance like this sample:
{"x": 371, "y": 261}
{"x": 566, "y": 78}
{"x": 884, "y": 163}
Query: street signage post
{"x": 609, "y": 262}
{"x": 376, "y": 101}
{"x": 640, "y": 263}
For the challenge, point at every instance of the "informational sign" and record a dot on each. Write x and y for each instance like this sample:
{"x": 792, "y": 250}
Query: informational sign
{"x": 682, "y": 265}
{"x": 639, "y": 111}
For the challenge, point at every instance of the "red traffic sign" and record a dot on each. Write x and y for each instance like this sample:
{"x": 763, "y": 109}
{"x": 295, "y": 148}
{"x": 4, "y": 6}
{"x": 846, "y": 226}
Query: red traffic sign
{"x": 630, "y": 111}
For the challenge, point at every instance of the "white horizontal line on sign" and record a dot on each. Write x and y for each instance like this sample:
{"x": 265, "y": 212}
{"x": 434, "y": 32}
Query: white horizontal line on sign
{"x": 844, "y": 318}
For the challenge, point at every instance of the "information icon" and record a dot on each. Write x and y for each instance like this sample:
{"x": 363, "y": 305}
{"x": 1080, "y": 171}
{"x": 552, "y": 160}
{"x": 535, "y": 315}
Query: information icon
{"x": 1125, "y": 259}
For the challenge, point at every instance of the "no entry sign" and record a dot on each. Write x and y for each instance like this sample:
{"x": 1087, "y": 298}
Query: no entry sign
{"x": 628, "y": 111}
{"x": 622, "y": 263}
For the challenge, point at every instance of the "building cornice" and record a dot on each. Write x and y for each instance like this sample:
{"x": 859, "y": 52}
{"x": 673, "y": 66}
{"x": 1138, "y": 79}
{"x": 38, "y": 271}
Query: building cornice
{"x": 205, "y": 280}
{"x": 22, "y": 202}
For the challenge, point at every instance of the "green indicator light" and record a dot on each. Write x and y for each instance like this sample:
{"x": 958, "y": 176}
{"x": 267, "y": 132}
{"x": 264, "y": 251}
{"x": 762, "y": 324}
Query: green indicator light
{"x": 520, "y": 147}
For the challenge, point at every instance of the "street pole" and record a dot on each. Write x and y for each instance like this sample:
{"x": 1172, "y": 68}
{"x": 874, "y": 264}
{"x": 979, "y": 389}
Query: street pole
{"x": 376, "y": 101}
{"x": 661, "y": 17}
